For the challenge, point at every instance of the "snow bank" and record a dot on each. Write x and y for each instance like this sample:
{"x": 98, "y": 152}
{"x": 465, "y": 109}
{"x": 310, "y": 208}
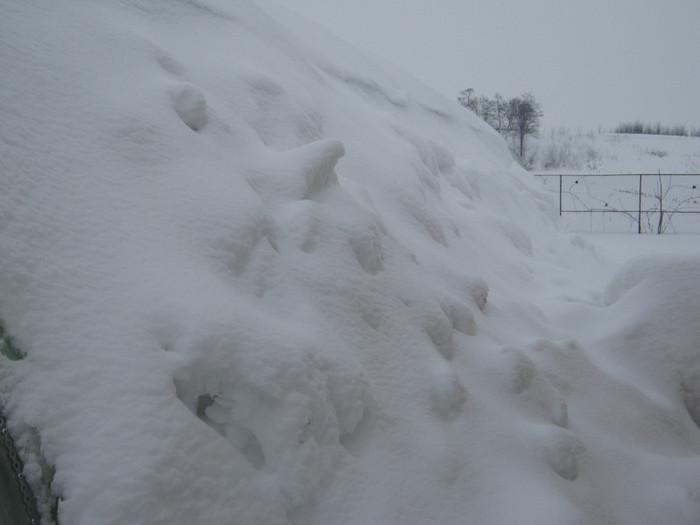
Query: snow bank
{"x": 260, "y": 278}
{"x": 638, "y": 389}
{"x": 661, "y": 298}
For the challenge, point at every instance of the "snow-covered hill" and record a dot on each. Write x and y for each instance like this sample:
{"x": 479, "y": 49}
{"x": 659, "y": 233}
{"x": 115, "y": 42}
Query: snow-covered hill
{"x": 257, "y": 277}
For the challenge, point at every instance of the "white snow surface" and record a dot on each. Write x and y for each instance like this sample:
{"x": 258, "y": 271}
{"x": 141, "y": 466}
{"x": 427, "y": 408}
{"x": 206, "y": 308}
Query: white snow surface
{"x": 260, "y": 278}
{"x": 564, "y": 151}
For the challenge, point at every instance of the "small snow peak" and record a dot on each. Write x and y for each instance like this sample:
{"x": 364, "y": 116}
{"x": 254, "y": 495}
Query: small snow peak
{"x": 190, "y": 105}
{"x": 318, "y": 161}
{"x": 298, "y": 174}
{"x": 447, "y": 392}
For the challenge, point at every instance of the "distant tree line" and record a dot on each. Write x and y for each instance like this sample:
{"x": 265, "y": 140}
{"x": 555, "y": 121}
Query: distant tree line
{"x": 638, "y": 127}
{"x": 516, "y": 117}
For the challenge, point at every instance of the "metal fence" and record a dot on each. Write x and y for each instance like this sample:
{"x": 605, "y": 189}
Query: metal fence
{"x": 645, "y": 202}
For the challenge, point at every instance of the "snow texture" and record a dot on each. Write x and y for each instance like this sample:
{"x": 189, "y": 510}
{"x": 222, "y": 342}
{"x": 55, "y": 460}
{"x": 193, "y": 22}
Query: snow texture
{"x": 254, "y": 276}
{"x": 564, "y": 151}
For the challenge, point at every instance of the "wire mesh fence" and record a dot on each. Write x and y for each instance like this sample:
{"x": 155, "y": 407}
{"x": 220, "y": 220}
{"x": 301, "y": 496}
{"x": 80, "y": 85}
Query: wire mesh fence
{"x": 627, "y": 203}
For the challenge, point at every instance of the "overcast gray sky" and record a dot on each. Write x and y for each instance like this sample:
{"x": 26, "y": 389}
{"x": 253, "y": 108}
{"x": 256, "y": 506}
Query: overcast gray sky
{"x": 590, "y": 63}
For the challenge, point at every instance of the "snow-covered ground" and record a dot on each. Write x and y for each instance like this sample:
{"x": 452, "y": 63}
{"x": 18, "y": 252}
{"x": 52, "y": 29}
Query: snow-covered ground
{"x": 257, "y": 277}
{"x": 564, "y": 151}
{"x": 588, "y": 201}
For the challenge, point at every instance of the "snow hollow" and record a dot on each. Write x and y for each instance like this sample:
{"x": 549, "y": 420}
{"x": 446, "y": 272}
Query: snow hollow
{"x": 253, "y": 276}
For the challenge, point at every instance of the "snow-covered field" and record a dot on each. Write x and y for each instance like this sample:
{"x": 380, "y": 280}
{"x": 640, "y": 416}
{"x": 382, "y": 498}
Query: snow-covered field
{"x": 565, "y": 151}
{"x": 256, "y": 277}
{"x": 601, "y": 203}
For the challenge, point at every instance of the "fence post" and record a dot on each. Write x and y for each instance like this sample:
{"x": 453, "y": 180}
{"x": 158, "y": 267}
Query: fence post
{"x": 639, "y": 213}
{"x": 560, "y": 177}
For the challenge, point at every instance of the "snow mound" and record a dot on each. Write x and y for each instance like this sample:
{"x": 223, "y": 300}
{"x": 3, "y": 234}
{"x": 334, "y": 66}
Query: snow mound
{"x": 190, "y": 105}
{"x": 661, "y": 296}
{"x": 253, "y": 276}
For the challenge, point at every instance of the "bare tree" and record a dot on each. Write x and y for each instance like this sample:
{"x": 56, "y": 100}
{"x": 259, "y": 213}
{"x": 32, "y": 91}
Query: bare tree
{"x": 667, "y": 207}
{"x": 487, "y": 110}
{"x": 501, "y": 108}
{"x": 525, "y": 113}
{"x": 519, "y": 116}
{"x": 467, "y": 99}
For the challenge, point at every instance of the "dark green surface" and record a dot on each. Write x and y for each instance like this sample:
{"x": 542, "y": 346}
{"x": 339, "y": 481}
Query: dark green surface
{"x": 12, "y": 510}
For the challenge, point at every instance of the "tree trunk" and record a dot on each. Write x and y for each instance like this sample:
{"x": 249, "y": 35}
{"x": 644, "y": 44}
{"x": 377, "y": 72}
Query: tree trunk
{"x": 522, "y": 142}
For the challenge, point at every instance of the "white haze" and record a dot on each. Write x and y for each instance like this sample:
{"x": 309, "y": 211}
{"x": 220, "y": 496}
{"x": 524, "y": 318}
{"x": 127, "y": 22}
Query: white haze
{"x": 591, "y": 64}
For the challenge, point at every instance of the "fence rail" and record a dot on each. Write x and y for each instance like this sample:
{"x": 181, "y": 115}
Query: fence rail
{"x": 627, "y": 194}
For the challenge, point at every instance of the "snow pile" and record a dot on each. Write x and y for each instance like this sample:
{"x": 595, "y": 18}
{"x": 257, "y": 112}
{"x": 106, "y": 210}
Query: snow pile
{"x": 649, "y": 291}
{"x": 644, "y": 335}
{"x": 259, "y": 278}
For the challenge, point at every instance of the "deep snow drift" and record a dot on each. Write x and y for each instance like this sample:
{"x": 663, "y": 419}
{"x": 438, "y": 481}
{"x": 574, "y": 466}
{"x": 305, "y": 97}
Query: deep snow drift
{"x": 256, "y": 277}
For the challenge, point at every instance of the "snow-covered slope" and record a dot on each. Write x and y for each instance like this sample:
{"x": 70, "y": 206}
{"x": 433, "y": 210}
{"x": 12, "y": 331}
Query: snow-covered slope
{"x": 257, "y": 277}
